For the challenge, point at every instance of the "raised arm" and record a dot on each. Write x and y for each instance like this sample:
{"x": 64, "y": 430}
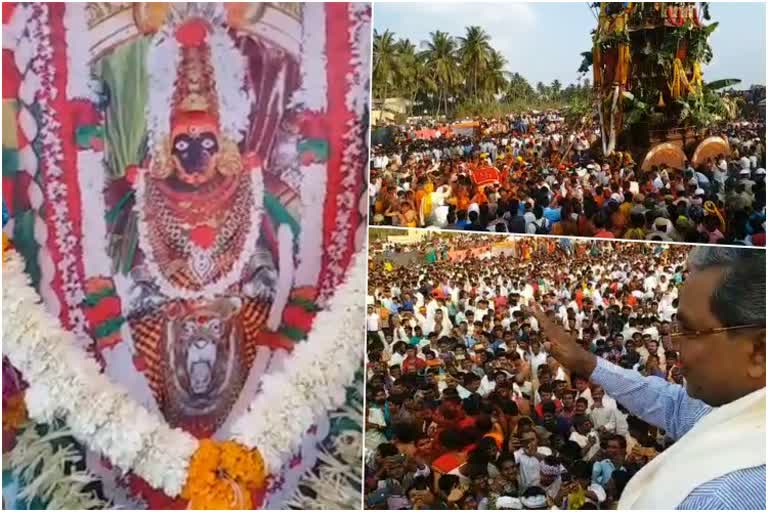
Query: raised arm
{"x": 656, "y": 401}
{"x": 660, "y": 403}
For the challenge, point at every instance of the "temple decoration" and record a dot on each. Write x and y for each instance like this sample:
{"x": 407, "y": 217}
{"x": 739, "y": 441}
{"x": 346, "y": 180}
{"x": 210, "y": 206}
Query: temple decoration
{"x": 184, "y": 185}
{"x": 647, "y": 60}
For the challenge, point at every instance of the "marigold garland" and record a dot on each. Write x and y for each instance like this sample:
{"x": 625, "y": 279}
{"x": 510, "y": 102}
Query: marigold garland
{"x": 221, "y": 476}
{"x": 14, "y": 412}
{"x": 6, "y": 245}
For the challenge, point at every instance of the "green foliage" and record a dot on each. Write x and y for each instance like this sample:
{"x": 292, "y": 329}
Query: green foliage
{"x": 586, "y": 62}
{"x": 459, "y": 76}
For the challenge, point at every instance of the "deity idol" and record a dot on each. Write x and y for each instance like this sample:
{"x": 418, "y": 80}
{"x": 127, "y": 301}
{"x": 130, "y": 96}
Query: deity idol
{"x": 203, "y": 292}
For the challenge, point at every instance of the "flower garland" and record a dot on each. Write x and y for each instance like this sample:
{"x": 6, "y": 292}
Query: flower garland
{"x": 79, "y": 82}
{"x": 18, "y": 37}
{"x": 163, "y": 59}
{"x": 221, "y": 475}
{"x": 313, "y": 94}
{"x": 229, "y": 69}
{"x": 51, "y": 162}
{"x": 66, "y": 383}
{"x": 312, "y": 98}
{"x": 14, "y": 413}
{"x": 314, "y": 382}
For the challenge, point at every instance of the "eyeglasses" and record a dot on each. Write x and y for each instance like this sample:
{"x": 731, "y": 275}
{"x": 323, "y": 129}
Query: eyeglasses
{"x": 677, "y": 330}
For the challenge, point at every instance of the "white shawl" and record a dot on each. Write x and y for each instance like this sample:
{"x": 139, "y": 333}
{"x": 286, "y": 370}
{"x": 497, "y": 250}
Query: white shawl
{"x": 729, "y": 438}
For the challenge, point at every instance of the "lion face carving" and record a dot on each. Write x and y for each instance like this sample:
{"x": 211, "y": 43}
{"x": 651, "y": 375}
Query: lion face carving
{"x": 204, "y": 354}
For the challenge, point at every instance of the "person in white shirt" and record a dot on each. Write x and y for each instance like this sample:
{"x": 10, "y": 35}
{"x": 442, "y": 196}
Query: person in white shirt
{"x": 537, "y": 357}
{"x": 585, "y": 436}
{"x": 373, "y": 322}
{"x": 581, "y": 384}
{"x": 529, "y": 459}
{"x": 603, "y": 411}
{"x": 470, "y": 385}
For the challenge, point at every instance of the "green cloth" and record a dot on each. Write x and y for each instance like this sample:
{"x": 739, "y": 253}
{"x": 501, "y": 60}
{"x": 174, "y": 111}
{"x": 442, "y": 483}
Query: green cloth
{"x": 279, "y": 214}
{"x": 25, "y": 244}
{"x": 92, "y": 299}
{"x": 318, "y": 147}
{"x": 10, "y": 162}
{"x": 86, "y": 133}
{"x": 111, "y": 326}
{"x": 293, "y": 333}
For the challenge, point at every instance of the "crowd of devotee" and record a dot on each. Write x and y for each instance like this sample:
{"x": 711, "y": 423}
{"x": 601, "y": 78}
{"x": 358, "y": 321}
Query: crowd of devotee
{"x": 466, "y": 409}
{"x": 536, "y": 173}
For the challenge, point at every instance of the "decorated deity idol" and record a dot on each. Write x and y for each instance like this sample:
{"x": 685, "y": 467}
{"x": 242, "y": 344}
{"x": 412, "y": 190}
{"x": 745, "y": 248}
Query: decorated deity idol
{"x": 185, "y": 187}
{"x": 205, "y": 286}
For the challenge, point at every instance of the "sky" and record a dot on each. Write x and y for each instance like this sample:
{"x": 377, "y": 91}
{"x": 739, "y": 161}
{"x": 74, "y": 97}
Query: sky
{"x": 543, "y": 41}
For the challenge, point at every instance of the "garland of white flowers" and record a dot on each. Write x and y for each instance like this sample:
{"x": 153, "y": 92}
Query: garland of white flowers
{"x": 65, "y": 382}
{"x": 313, "y": 92}
{"x": 162, "y": 62}
{"x": 90, "y": 163}
{"x": 315, "y": 379}
{"x": 51, "y": 161}
{"x": 312, "y": 98}
{"x": 79, "y": 81}
{"x": 38, "y": 86}
{"x": 229, "y": 69}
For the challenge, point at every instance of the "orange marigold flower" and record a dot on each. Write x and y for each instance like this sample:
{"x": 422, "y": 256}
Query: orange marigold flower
{"x": 220, "y": 475}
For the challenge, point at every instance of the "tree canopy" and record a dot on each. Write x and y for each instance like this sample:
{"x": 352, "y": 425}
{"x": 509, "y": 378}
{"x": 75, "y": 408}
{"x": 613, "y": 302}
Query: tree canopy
{"x": 465, "y": 75}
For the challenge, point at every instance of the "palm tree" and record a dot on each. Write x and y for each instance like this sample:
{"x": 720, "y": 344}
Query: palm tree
{"x": 440, "y": 58}
{"x": 519, "y": 89}
{"x": 411, "y": 77}
{"x": 494, "y": 79}
{"x": 556, "y": 88}
{"x": 385, "y": 62}
{"x": 475, "y": 54}
{"x": 542, "y": 90}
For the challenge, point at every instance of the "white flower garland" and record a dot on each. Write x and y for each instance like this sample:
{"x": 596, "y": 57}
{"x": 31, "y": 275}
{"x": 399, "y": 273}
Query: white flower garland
{"x": 20, "y": 41}
{"x": 51, "y": 161}
{"x": 313, "y": 93}
{"x": 315, "y": 379}
{"x": 221, "y": 285}
{"x": 79, "y": 82}
{"x": 91, "y": 174}
{"x": 229, "y": 69}
{"x": 314, "y": 177}
{"x": 312, "y": 97}
{"x": 162, "y": 63}
{"x": 65, "y": 382}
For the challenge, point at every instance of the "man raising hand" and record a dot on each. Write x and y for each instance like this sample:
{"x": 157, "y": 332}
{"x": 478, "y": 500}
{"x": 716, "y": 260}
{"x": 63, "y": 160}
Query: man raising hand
{"x": 718, "y": 420}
